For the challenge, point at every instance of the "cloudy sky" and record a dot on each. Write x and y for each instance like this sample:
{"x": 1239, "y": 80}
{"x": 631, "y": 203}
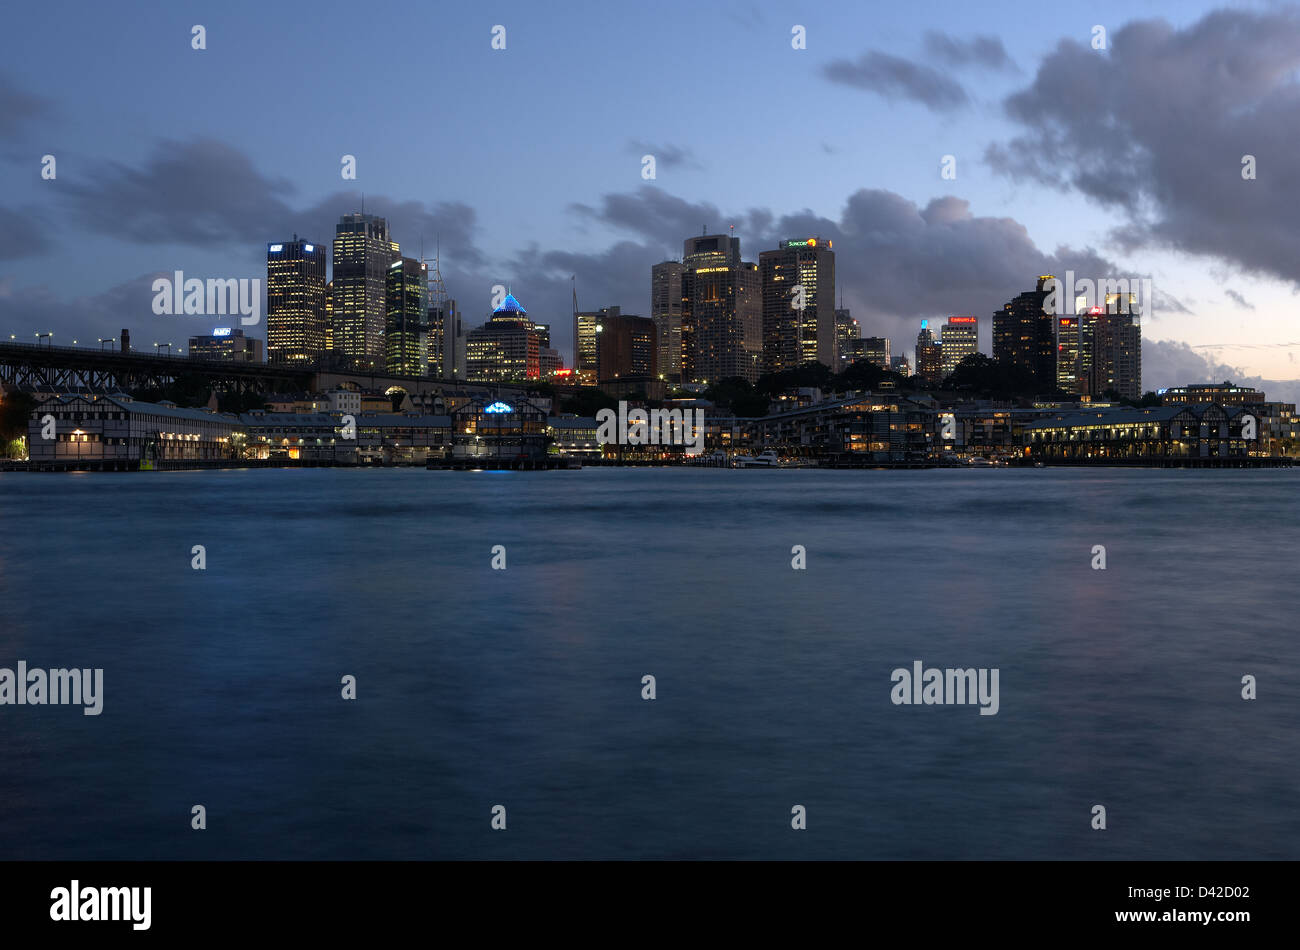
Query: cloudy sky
{"x": 525, "y": 163}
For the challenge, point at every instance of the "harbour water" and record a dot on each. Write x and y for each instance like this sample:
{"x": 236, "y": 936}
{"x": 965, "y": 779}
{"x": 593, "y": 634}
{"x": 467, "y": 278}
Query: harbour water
{"x": 523, "y": 687}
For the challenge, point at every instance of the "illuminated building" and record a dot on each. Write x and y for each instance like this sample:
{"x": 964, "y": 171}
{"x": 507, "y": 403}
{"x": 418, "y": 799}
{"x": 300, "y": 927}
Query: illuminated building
{"x": 1225, "y": 394}
{"x": 296, "y": 319}
{"x": 722, "y": 316}
{"x": 929, "y": 356}
{"x": 363, "y": 254}
{"x": 666, "y": 312}
{"x": 848, "y": 340}
{"x": 1116, "y": 363}
{"x": 405, "y": 332}
{"x": 875, "y": 349}
{"x": 446, "y": 343}
{"x": 585, "y": 340}
{"x": 506, "y": 347}
{"x": 493, "y": 428}
{"x": 960, "y": 340}
{"x": 626, "y": 345}
{"x": 1025, "y": 336}
{"x": 226, "y": 344}
{"x": 798, "y": 271}
{"x": 119, "y": 433}
{"x": 1173, "y": 434}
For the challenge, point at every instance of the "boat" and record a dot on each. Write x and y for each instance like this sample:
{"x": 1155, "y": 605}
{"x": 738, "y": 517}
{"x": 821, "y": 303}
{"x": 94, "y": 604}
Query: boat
{"x": 767, "y": 459}
{"x": 978, "y": 460}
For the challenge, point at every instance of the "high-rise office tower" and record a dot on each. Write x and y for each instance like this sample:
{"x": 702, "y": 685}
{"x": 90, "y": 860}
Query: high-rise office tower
{"x": 1073, "y": 353}
{"x": 627, "y": 345}
{"x": 722, "y": 314}
{"x": 1114, "y": 360}
{"x": 848, "y": 339}
{"x": 875, "y": 349}
{"x": 446, "y": 334}
{"x": 363, "y": 253}
{"x": 960, "y": 340}
{"x": 329, "y": 318}
{"x": 929, "y": 355}
{"x": 296, "y": 320}
{"x": 405, "y": 329}
{"x": 798, "y": 305}
{"x": 1025, "y": 336}
{"x": 505, "y": 348}
{"x": 666, "y": 312}
{"x": 587, "y": 326}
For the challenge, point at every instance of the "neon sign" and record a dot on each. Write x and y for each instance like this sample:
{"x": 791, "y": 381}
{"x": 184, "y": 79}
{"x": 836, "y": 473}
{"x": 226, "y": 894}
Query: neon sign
{"x": 498, "y": 407}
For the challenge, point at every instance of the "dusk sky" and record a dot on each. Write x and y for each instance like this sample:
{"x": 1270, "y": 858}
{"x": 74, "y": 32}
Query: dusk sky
{"x": 525, "y": 163}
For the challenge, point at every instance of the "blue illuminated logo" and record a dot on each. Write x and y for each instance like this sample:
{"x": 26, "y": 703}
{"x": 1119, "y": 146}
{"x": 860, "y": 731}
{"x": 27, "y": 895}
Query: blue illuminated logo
{"x": 499, "y": 407}
{"x": 308, "y": 248}
{"x": 277, "y": 248}
{"x": 222, "y": 331}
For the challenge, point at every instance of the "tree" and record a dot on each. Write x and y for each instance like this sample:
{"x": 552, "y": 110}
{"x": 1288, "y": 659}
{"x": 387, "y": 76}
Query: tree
{"x": 984, "y": 376}
{"x": 16, "y": 410}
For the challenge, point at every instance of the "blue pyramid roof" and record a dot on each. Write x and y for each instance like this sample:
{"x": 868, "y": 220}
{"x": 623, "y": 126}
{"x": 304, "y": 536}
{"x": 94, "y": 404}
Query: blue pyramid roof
{"x": 510, "y": 305}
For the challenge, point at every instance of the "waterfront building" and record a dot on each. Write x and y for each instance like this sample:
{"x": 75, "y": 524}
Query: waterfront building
{"x": 493, "y": 428}
{"x": 118, "y": 432}
{"x": 1154, "y": 435}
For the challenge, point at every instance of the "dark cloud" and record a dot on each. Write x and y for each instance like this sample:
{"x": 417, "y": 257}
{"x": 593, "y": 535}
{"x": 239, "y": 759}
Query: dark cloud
{"x": 1156, "y": 129}
{"x": 202, "y": 193}
{"x": 209, "y": 195}
{"x": 667, "y": 154}
{"x": 22, "y": 234}
{"x": 986, "y": 51}
{"x": 894, "y": 77}
{"x": 18, "y": 107}
{"x": 896, "y": 262}
{"x": 1238, "y": 299}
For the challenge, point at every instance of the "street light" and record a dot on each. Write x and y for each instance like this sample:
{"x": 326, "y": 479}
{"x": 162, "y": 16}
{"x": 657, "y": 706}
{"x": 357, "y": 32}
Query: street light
{"x": 109, "y": 340}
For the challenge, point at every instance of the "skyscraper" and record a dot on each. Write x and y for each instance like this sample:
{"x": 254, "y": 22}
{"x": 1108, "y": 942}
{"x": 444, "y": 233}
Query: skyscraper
{"x": 875, "y": 349}
{"x": 446, "y": 334}
{"x": 1115, "y": 358}
{"x": 405, "y": 331}
{"x": 722, "y": 317}
{"x": 627, "y": 346}
{"x": 506, "y": 348}
{"x": 666, "y": 312}
{"x": 296, "y": 321}
{"x": 929, "y": 356}
{"x": 848, "y": 340}
{"x": 363, "y": 253}
{"x": 960, "y": 340}
{"x": 586, "y": 342}
{"x": 1025, "y": 336}
{"x": 798, "y": 286}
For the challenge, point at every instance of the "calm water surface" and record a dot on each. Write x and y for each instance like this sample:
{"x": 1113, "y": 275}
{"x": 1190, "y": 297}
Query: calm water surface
{"x": 522, "y": 687}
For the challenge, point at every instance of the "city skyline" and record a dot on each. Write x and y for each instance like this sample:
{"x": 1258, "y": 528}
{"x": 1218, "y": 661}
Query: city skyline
{"x": 162, "y": 191}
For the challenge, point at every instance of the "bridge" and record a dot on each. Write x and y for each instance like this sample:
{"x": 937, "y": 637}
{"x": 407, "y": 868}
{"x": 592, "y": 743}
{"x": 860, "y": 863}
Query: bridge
{"x": 34, "y": 366}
